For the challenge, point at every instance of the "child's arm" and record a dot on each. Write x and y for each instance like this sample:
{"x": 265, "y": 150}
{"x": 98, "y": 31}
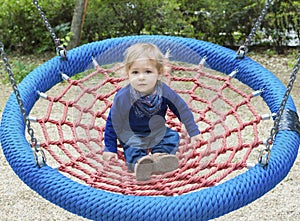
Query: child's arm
{"x": 113, "y": 128}
{"x": 180, "y": 108}
{"x": 110, "y": 140}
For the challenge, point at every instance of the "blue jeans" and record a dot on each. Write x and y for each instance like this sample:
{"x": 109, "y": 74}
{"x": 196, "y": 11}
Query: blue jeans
{"x": 165, "y": 141}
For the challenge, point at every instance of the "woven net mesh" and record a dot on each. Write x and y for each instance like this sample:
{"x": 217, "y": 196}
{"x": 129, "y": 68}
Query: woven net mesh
{"x": 73, "y": 123}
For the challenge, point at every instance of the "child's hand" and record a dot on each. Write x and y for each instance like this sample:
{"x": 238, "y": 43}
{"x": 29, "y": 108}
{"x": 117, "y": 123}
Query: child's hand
{"x": 107, "y": 156}
{"x": 196, "y": 138}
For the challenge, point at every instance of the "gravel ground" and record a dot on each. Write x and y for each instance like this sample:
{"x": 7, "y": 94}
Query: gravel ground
{"x": 18, "y": 202}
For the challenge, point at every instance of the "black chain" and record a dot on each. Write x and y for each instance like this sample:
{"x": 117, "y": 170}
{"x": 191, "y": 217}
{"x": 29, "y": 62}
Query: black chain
{"x": 242, "y": 51}
{"x": 39, "y": 154}
{"x": 60, "y": 49}
{"x": 265, "y": 154}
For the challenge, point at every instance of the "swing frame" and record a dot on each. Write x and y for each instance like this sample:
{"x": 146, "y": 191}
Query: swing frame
{"x": 97, "y": 204}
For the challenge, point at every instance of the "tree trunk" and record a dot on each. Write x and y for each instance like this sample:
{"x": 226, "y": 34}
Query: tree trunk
{"x": 77, "y": 23}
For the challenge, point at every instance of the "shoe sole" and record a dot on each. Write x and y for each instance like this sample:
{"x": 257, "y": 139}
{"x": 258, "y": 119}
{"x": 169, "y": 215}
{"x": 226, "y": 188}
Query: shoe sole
{"x": 166, "y": 163}
{"x": 144, "y": 169}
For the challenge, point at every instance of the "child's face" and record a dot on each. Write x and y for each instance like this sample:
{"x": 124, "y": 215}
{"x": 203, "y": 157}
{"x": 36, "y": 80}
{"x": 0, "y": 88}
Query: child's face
{"x": 143, "y": 75}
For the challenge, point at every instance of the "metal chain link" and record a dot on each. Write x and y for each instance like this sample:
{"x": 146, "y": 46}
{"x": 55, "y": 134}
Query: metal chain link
{"x": 39, "y": 154}
{"x": 60, "y": 49}
{"x": 243, "y": 50}
{"x": 265, "y": 154}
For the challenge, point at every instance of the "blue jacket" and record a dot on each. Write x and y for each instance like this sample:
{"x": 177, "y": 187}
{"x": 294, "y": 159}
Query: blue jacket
{"x": 119, "y": 127}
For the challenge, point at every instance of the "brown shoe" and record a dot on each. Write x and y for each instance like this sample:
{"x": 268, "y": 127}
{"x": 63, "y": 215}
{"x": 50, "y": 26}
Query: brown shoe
{"x": 164, "y": 163}
{"x": 144, "y": 168}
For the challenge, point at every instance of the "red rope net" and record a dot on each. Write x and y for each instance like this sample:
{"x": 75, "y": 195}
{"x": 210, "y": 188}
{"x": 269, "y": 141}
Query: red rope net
{"x": 74, "y": 121}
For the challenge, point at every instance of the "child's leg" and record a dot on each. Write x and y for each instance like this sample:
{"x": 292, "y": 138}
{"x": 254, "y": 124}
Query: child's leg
{"x": 164, "y": 156}
{"x": 139, "y": 161}
{"x": 169, "y": 143}
{"x": 132, "y": 155}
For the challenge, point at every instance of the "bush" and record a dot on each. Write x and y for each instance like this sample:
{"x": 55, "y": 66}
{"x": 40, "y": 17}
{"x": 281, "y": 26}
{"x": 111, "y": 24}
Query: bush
{"x": 226, "y": 23}
{"x": 22, "y": 29}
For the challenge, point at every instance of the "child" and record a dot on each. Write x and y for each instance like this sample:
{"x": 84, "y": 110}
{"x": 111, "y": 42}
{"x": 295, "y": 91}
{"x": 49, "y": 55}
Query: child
{"x": 137, "y": 116}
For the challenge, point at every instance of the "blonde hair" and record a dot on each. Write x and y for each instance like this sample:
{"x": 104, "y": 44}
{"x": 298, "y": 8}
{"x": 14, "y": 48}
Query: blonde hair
{"x": 144, "y": 50}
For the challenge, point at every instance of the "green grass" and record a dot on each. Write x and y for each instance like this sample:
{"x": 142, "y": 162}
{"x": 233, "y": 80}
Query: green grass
{"x": 22, "y": 65}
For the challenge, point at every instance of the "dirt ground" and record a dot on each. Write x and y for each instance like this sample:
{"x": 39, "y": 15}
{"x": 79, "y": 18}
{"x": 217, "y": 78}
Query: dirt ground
{"x": 18, "y": 202}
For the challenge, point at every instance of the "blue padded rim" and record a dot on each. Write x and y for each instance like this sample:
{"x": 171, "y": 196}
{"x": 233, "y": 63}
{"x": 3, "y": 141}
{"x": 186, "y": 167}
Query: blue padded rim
{"x": 96, "y": 204}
